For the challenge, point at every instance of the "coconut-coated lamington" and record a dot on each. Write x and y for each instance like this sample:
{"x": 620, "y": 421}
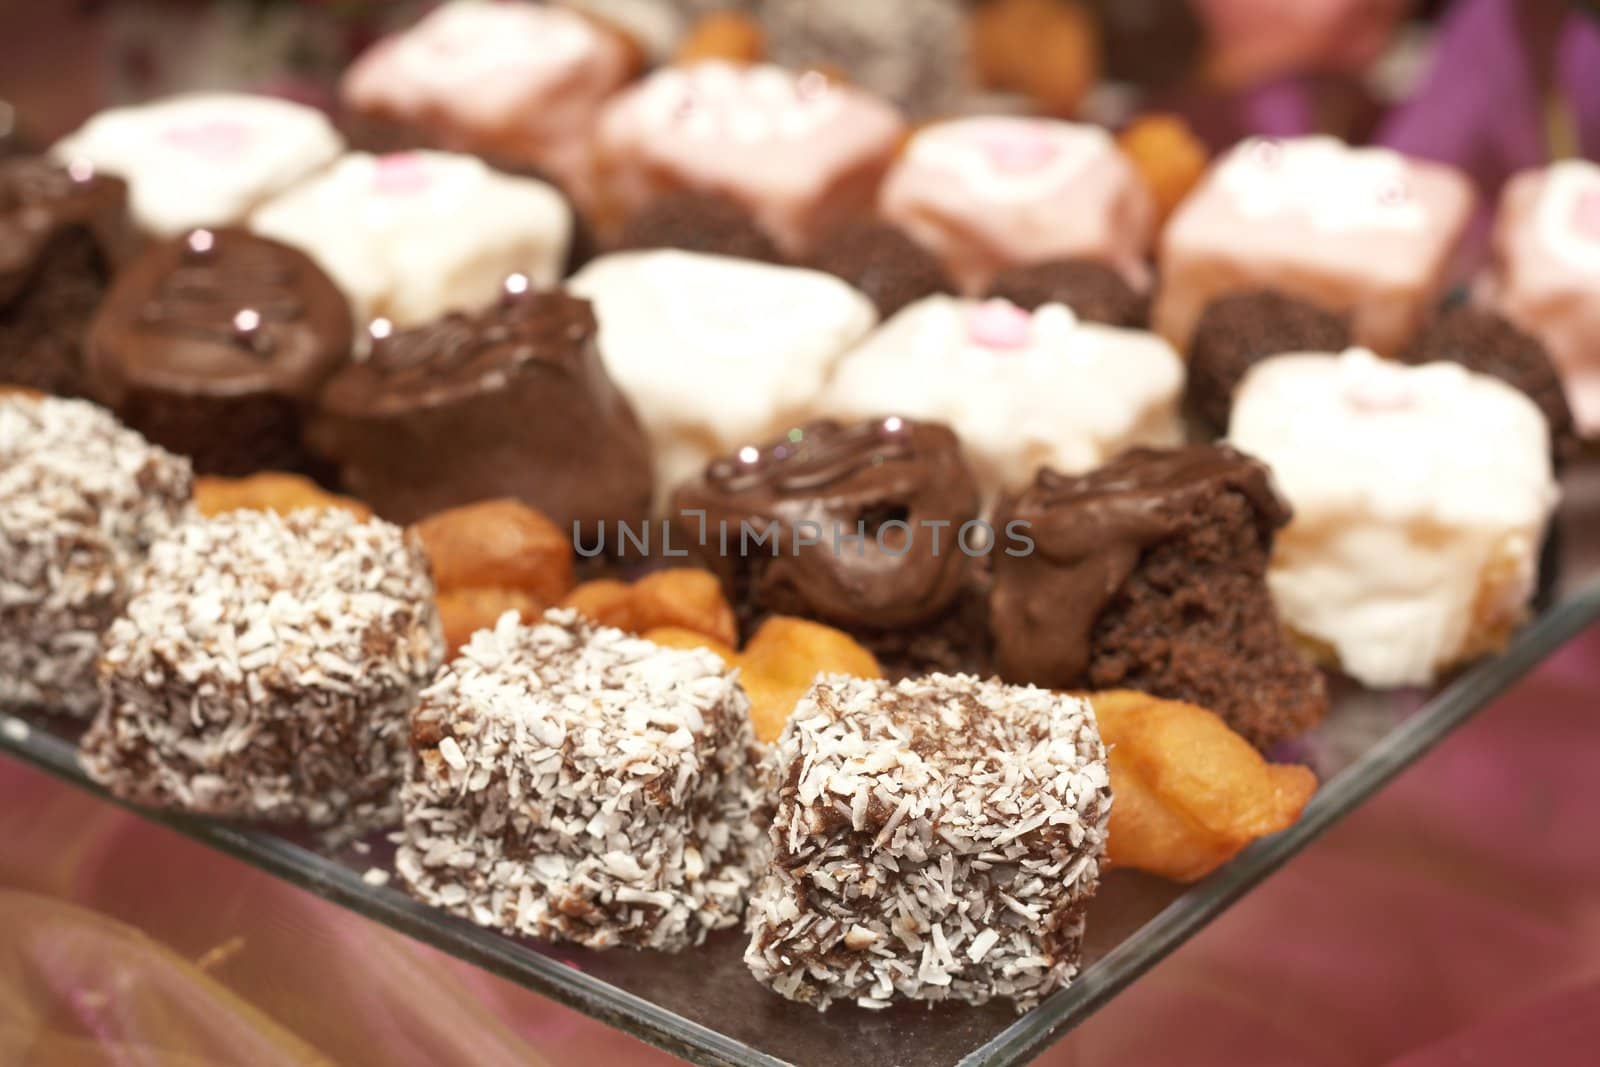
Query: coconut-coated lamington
{"x": 265, "y": 667}
{"x": 933, "y": 839}
{"x": 576, "y": 782}
{"x": 81, "y": 500}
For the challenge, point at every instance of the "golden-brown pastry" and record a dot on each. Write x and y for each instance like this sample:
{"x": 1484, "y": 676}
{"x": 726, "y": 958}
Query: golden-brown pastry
{"x": 781, "y": 660}
{"x": 1169, "y": 157}
{"x": 1187, "y": 792}
{"x": 682, "y": 598}
{"x": 492, "y": 557}
{"x": 269, "y": 491}
{"x": 1048, "y": 50}
{"x": 727, "y": 35}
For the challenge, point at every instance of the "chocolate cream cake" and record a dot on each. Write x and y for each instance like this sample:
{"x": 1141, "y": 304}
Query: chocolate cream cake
{"x": 214, "y": 345}
{"x": 1150, "y": 574}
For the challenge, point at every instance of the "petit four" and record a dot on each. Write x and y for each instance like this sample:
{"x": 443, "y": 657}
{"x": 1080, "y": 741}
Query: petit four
{"x": 1094, "y": 291}
{"x": 881, "y": 261}
{"x": 717, "y": 352}
{"x": 1021, "y": 390}
{"x": 1420, "y": 496}
{"x": 413, "y": 235}
{"x": 269, "y": 491}
{"x": 675, "y": 598}
{"x": 935, "y": 839}
{"x": 518, "y": 82}
{"x": 264, "y": 668}
{"x": 215, "y": 344}
{"x": 997, "y": 191}
{"x": 203, "y": 159}
{"x": 63, "y": 233}
{"x": 512, "y": 401}
{"x": 577, "y": 783}
{"x": 1546, "y": 273}
{"x": 800, "y": 152}
{"x": 1238, "y": 330}
{"x": 82, "y": 498}
{"x": 868, "y": 526}
{"x": 1150, "y": 573}
{"x": 1360, "y": 231}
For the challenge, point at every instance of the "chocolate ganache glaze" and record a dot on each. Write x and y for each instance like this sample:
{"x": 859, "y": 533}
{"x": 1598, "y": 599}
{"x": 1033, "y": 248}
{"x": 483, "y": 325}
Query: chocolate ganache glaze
{"x": 63, "y": 232}
{"x": 214, "y": 343}
{"x": 879, "y": 484}
{"x": 510, "y": 401}
{"x": 1090, "y": 532}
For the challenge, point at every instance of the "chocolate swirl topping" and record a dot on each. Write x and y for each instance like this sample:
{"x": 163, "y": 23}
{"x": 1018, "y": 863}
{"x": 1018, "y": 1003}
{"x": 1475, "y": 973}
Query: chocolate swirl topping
{"x": 1089, "y": 532}
{"x": 221, "y": 312}
{"x": 813, "y": 457}
{"x": 465, "y": 352}
{"x": 900, "y": 489}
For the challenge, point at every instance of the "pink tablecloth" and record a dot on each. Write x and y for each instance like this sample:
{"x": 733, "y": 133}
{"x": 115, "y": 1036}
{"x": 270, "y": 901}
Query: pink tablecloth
{"x": 1454, "y": 920}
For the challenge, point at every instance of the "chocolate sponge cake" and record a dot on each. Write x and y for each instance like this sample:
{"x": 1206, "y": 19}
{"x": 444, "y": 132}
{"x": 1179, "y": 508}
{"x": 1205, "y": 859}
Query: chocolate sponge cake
{"x": 1150, "y": 574}
{"x": 512, "y": 401}
{"x": 1238, "y": 331}
{"x": 214, "y": 344}
{"x": 63, "y": 232}
{"x": 859, "y": 525}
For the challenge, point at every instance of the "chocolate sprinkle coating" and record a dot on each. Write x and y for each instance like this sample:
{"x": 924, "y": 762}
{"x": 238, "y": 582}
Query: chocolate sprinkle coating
{"x": 1237, "y": 331}
{"x": 698, "y": 222}
{"x": 1150, "y": 574}
{"x": 882, "y": 261}
{"x": 82, "y": 498}
{"x": 881, "y": 480}
{"x": 214, "y": 343}
{"x": 1487, "y": 343}
{"x": 1094, "y": 291}
{"x": 63, "y": 233}
{"x": 572, "y": 781}
{"x": 935, "y": 839}
{"x": 265, "y": 668}
{"x": 512, "y": 401}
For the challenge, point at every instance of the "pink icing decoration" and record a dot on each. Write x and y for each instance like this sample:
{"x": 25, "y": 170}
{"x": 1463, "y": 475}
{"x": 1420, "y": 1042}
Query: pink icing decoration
{"x": 1586, "y": 215}
{"x": 999, "y": 324}
{"x": 1377, "y": 394}
{"x": 215, "y": 138}
{"x": 400, "y": 173}
{"x": 1018, "y": 149}
{"x": 1267, "y": 153}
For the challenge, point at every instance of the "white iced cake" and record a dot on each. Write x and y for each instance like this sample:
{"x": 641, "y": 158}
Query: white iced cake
{"x": 1021, "y": 389}
{"x": 413, "y": 235}
{"x": 1420, "y": 496}
{"x": 717, "y": 353}
{"x": 203, "y": 159}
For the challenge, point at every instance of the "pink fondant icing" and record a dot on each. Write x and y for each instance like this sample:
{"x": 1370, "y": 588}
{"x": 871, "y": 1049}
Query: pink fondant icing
{"x": 1545, "y": 274}
{"x": 798, "y": 152}
{"x": 213, "y": 138}
{"x": 1364, "y": 232}
{"x": 520, "y": 81}
{"x": 993, "y": 192}
{"x": 999, "y": 324}
{"x": 400, "y": 174}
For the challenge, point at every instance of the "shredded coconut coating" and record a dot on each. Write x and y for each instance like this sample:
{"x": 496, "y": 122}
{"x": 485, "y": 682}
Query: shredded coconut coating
{"x": 265, "y": 668}
{"x": 935, "y": 839}
{"x": 81, "y": 500}
{"x": 575, "y": 782}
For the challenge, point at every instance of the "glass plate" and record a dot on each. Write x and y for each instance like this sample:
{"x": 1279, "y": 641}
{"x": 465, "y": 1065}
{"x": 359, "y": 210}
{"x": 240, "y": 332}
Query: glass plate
{"x": 704, "y": 1006}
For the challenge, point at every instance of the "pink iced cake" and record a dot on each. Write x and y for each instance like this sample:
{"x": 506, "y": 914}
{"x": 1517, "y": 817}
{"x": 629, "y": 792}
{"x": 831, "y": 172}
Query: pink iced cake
{"x": 1546, "y": 273}
{"x": 1361, "y": 231}
{"x": 521, "y": 82}
{"x": 800, "y": 152}
{"x": 994, "y": 192}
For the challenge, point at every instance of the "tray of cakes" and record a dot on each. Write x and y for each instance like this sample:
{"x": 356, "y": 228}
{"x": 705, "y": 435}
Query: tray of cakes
{"x": 778, "y": 583}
